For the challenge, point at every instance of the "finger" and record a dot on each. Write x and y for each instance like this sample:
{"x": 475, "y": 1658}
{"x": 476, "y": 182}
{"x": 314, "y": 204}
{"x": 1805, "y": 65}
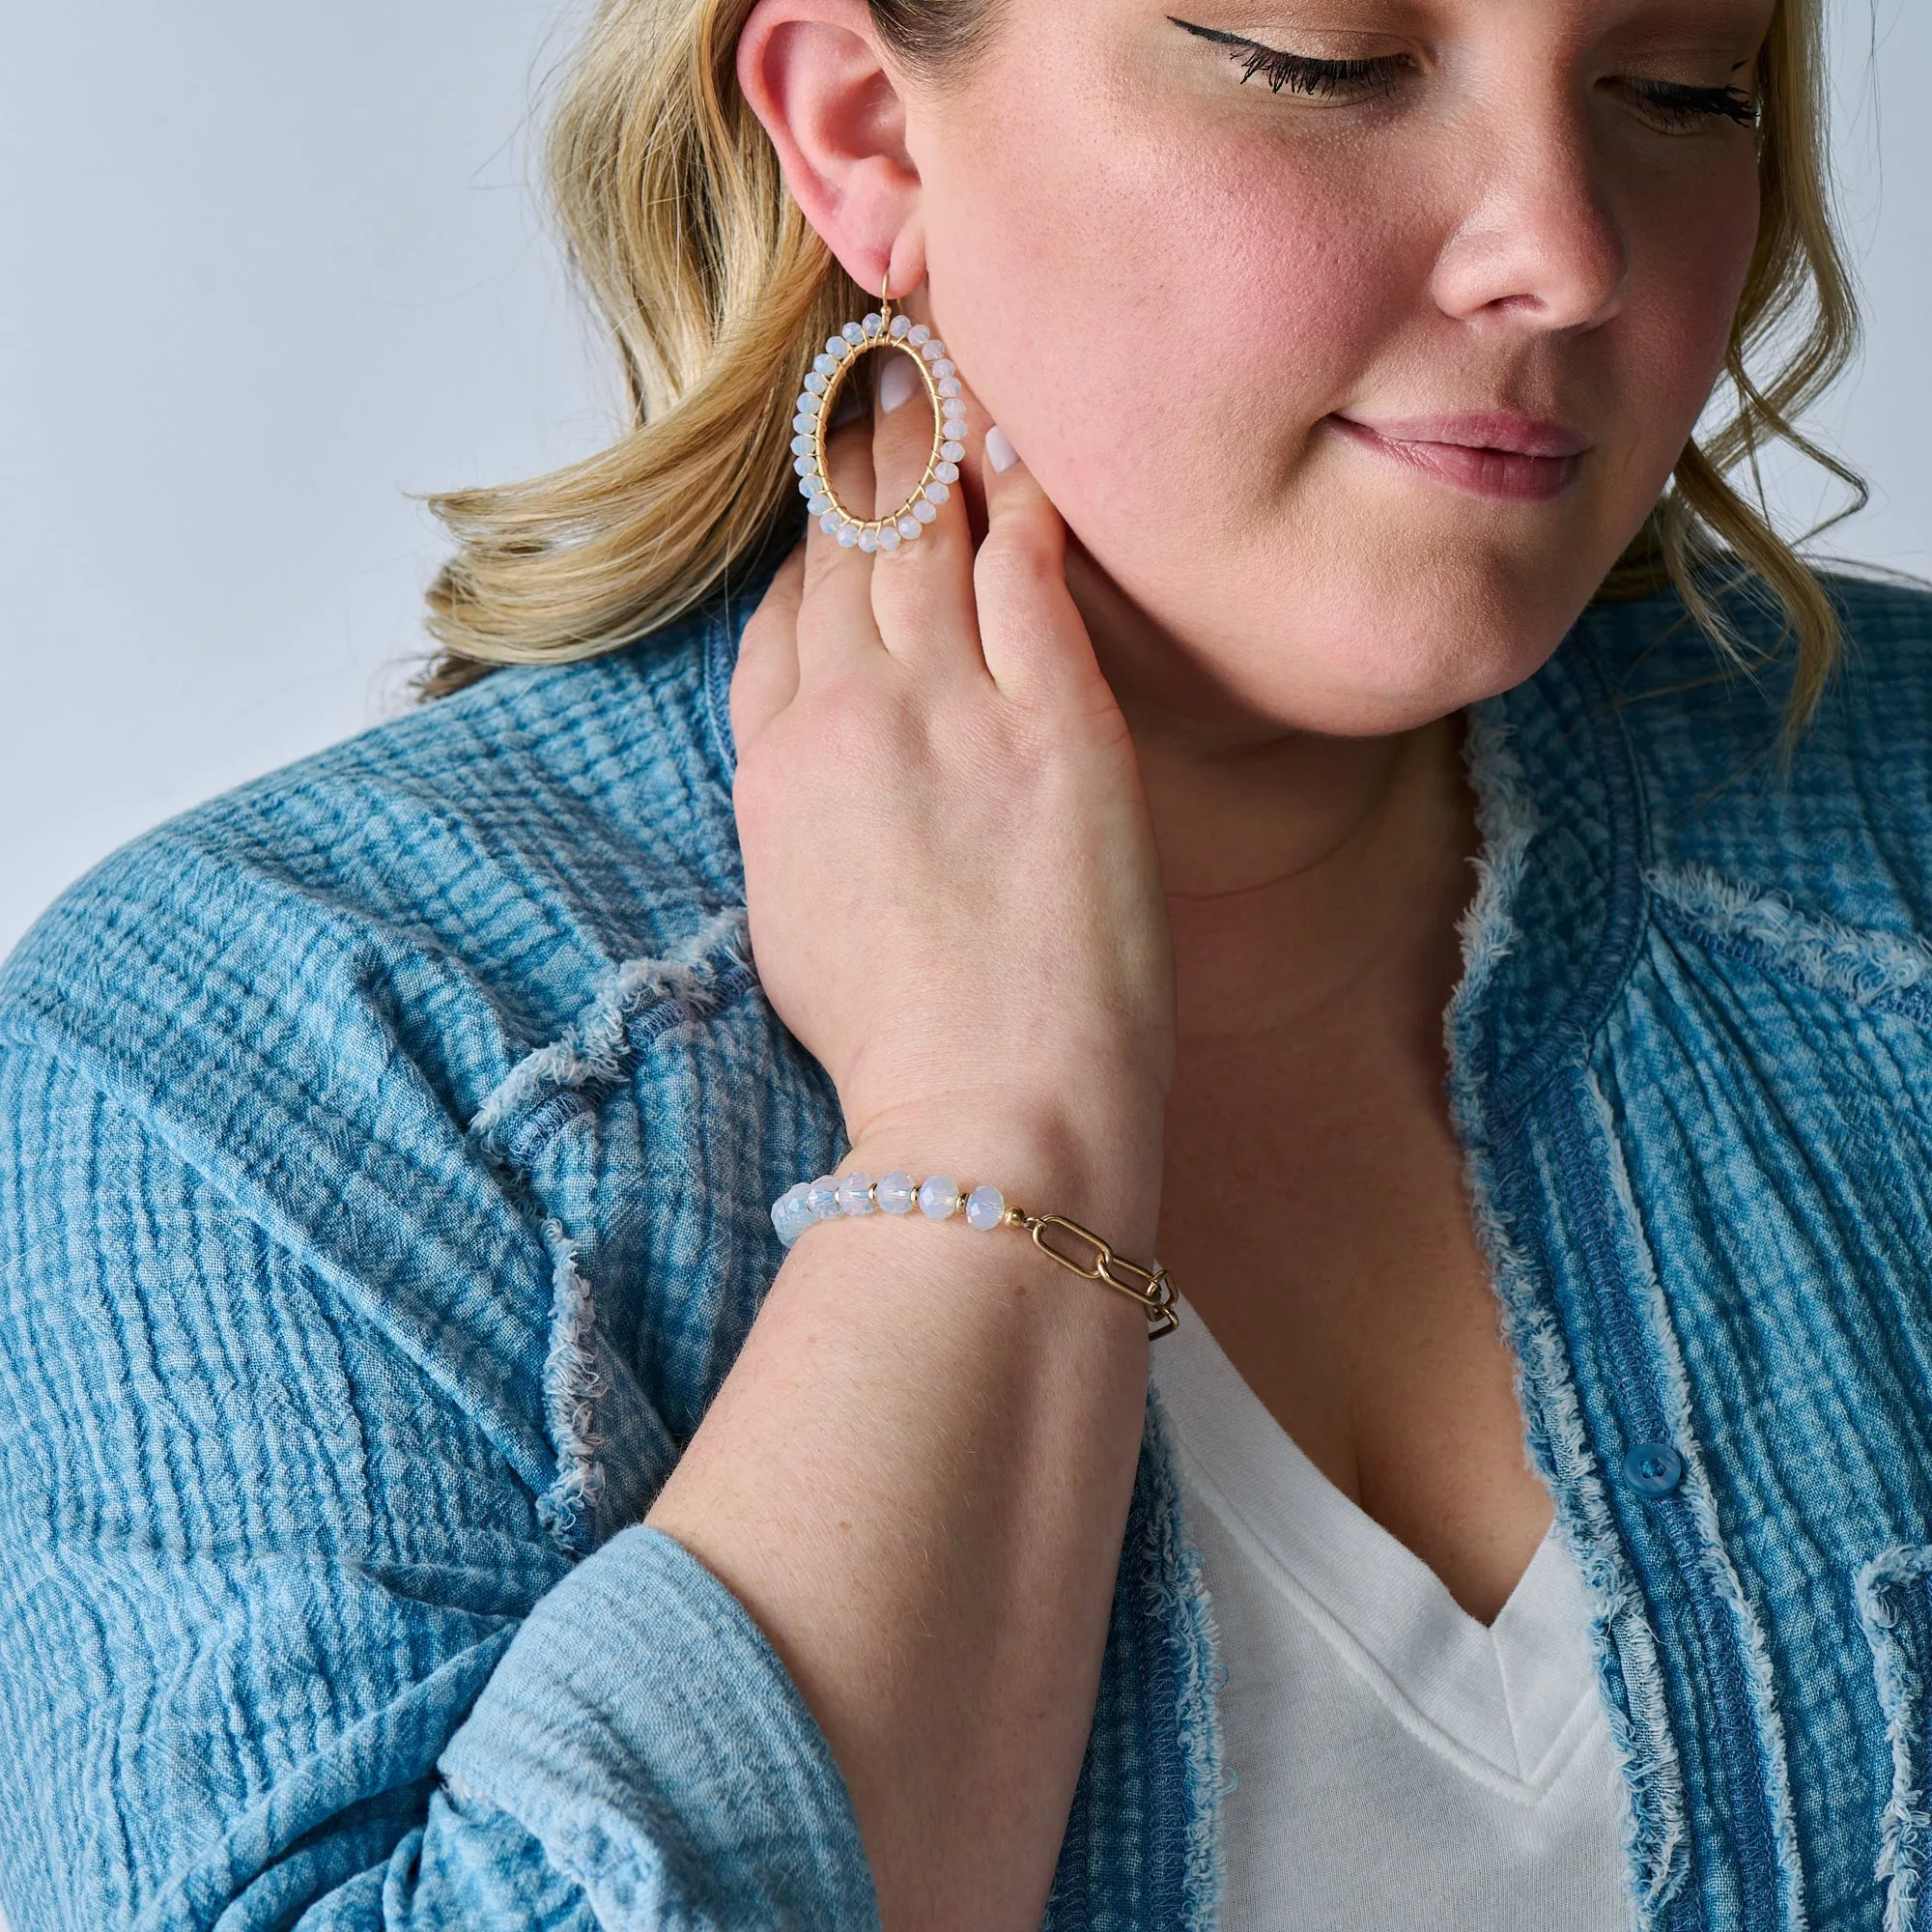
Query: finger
{"x": 1032, "y": 636}
{"x": 836, "y": 629}
{"x": 923, "y": 579}
{"x": 765, "y": 679}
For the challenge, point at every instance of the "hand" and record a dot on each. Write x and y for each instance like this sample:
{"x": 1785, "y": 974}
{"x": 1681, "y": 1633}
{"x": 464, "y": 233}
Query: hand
{"x": 955, "y": 896}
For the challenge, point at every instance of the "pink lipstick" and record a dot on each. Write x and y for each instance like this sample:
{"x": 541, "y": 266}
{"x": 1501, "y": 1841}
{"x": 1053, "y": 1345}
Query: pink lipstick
{"x": 1496, "y": 453}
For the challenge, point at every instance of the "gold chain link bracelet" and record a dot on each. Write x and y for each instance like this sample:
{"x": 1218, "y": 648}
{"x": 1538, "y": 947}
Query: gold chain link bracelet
{"x": 857, "y": 1195}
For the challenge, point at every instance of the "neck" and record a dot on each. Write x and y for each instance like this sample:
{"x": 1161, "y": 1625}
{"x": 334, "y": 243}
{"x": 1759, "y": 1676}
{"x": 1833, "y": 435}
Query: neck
{"x": 1300, "y": 869}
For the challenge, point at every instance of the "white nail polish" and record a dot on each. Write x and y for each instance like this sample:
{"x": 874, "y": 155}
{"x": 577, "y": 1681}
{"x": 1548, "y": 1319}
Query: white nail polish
{"x": 1000, "y": 450}
{"x": 896, "y": 383}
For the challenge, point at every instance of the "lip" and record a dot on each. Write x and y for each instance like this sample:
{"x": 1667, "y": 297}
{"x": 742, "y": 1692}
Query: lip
{"x": 1500, "y": 454}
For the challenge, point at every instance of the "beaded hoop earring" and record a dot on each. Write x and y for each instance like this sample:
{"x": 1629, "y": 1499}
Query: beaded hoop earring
{"x": 843, "y": 353}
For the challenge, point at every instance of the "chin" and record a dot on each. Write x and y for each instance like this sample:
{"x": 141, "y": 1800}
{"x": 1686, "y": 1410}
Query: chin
{"x": 1360, "y": 646}
{"x": 1394, "y": 670}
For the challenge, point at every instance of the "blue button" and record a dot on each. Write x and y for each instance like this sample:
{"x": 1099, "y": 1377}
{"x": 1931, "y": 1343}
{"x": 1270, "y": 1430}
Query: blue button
{"x": 1652, "y": 1468}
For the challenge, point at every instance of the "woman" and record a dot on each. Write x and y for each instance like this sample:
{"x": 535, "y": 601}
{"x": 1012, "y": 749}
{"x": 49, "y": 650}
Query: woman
{"x": 435, "y": 1493}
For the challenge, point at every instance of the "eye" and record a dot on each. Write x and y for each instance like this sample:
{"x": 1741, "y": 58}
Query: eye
{"x": 1675, "y": 110}
{"x": 1303, "y": 74}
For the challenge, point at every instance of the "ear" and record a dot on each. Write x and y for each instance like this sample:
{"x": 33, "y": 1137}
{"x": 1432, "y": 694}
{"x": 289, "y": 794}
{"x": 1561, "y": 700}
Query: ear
{"x": 816, "y": 74}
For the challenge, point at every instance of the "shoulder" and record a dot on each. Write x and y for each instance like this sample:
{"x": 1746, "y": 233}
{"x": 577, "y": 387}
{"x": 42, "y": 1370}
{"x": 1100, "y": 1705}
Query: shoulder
{"x": 1841, "y": 819}
{"x": 446, "y": 889}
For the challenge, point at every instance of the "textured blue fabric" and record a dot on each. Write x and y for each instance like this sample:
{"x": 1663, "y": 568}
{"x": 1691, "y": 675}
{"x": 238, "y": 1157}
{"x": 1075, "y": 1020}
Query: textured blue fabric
{"x": 384, "y": 1157}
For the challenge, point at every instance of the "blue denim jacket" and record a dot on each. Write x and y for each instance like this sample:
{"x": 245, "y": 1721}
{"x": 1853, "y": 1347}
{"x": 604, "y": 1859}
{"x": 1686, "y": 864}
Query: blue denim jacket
{"x": 386, "y": 1152}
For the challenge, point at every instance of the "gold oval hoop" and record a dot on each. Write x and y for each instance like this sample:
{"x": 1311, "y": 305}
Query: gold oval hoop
{"x": 812, "y": 418}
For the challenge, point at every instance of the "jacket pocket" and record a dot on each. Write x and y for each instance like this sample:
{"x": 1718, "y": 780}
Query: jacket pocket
{"x": 1894, "y": 1593}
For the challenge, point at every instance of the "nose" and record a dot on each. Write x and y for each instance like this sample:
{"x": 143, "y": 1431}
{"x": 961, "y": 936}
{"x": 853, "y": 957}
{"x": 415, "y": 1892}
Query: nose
{"x": 1536, "y": 242}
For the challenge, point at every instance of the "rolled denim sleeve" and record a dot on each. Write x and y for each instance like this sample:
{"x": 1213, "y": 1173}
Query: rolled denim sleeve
{"x": 644, "y": 1732}
{"x": 283, "y": 1640}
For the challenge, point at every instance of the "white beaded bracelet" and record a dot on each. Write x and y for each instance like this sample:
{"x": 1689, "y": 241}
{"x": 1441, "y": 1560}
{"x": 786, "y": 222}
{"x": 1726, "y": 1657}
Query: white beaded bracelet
{"x": 857, "y": 1195}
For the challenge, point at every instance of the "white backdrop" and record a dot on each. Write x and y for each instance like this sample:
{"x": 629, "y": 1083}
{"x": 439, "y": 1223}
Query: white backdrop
{"x": 267, "y": 269}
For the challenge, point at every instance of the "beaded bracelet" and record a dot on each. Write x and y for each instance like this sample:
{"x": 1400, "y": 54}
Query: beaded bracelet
{"x": 856, "y": 1194}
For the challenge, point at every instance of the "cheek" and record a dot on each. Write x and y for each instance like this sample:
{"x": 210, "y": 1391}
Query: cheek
{"x": 1692, "y": 254}
{"x": 1164, "y": 320}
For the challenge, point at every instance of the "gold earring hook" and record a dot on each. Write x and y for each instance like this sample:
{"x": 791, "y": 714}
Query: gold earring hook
{"x": 886, "y": 296}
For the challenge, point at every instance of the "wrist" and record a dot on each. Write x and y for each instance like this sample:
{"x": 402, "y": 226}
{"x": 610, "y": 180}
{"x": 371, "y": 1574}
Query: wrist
{"x": 1098, "y": 1163}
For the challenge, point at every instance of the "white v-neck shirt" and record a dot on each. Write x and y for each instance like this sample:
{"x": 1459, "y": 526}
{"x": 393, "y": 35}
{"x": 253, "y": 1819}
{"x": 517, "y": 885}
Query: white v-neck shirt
{"x": 1393, "y": 1761}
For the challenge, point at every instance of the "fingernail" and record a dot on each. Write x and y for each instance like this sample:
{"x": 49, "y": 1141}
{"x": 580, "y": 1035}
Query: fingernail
{"x": 897, "y": 385}
{"x": 1000, "y": 450}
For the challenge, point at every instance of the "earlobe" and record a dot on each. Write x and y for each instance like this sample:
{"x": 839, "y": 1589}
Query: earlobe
{"x": 816, "y": 75}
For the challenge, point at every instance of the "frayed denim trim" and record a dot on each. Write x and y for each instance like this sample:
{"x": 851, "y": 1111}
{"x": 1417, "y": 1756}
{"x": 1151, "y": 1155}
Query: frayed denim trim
{"x": 1897, "y": 1619}
{"x": 1628, "y": 1663}
{"x": 595, "y": 1049}
{"x": 1871, "y": 969}
{"x": 1506, "y": 820}
{"x": 573, "y": 1383}
{"x": 1669, "y": 1386}
{"x": 1628, "y": 1667}
{"x": 1173, "y": 1575}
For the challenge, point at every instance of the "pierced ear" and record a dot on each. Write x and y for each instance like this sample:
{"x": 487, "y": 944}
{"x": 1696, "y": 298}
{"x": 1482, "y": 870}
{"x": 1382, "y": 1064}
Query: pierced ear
{"x": 817, "y": 78}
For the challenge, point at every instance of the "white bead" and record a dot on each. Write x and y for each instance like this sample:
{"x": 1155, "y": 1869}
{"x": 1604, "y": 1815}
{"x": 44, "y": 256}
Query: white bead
{"x": 836, "y": 347}
{"x": 923, "y": 511}
{"x": 937, "y": 493}
{"x": 894, "y": 1192}
{"x": 852, "y": 1193}
{"x": 933, "y": 349}
{"x": 946, "y": 473}
{"x": 909, "y": 527}
{"x": 949, "y": 387}
{"x": 808, "y": 487}
{"x": 822, "y": 1198}
{"x": 953, "y": 411}
{"x": 823, "y": 366}
{"x": 852, "y": 334}
{"x": 945, "y": 366}
{"x": 802, "y": 423}
{"x": 803, "y": 466}
{"x": 790, "y": 1216}
{"x": 919, "y": 334}
{"x": 889, "y": 537}
{"x": 830, "y": 521}
{"x": 801, "y": 445}
{"x": 872, "y": 323}
{"x": 818, "y": 505}
{"x": 848, "y": 535}
{"x": 814, "y": 384}
{"x": 810, "y": 405}
{"x": 868, "y": 540}
{"x": 985, "y": 1207}
{"x": 900, "y": 325}
{"x": 950, "y": 452}
{"x": 938, "y": 1198}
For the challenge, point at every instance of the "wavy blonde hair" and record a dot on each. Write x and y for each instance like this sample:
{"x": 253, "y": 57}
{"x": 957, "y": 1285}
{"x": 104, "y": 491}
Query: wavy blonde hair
{"x": 718, "y": 293}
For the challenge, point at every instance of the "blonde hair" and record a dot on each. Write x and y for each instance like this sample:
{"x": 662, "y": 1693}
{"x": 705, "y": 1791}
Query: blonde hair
{"x": 718, "y": 293}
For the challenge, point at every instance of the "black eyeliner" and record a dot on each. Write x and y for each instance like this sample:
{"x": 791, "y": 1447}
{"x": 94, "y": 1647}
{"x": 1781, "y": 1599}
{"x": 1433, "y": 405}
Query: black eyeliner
{"x": 1298, "y": 74}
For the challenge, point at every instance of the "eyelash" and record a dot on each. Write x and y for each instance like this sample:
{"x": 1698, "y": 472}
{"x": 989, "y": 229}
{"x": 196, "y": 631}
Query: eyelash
{"x": 1320, "y": 80}
{"x": 1301, "y": 73}
{"x": 1682, "y": 107}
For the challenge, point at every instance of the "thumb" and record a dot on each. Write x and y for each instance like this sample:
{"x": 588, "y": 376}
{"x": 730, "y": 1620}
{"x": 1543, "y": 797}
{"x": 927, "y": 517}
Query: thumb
{"x": 766, "y": 677}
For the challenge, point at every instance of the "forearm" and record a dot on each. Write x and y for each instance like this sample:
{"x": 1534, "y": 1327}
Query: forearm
{"x": 916, "y": 1478}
